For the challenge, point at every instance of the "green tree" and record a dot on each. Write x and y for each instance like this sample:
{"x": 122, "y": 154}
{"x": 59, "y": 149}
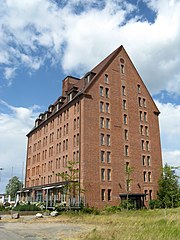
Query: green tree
{"x": 13, "y": 186}
{"x": 71, "y": 178}
{"x": 169, "y": 192}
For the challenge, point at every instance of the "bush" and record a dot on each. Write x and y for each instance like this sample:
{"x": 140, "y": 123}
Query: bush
{"x": 126, "y": 204}
{"x": 27, "y": 207}
{"x": 2, "y": 208}
{"x": 89, "y": 210}
{"x": 112, "y": 209}
{"x": 154, "y": 204}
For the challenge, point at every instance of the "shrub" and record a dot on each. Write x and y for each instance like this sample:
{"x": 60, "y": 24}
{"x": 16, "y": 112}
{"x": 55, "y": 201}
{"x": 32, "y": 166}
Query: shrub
{"x": 27, "y": 207}
{"x": 154, "y": 204}
{"x": 112, "y": 209}
{"x": 89, "y": 210}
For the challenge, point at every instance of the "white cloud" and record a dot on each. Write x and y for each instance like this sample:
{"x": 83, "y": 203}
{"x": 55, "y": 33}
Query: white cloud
{"x": 33, "y": 31}
{"x": 170, "y": 132}
{"x": 13, "y": 129}
{"x": 9, "y": 73}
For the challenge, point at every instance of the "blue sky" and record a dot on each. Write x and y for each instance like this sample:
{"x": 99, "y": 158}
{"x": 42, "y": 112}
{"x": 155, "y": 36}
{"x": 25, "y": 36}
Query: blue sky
{"x": 43, "y": 41}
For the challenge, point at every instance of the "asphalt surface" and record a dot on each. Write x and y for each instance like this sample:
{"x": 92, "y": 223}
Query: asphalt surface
{"x": 40, "y": 230}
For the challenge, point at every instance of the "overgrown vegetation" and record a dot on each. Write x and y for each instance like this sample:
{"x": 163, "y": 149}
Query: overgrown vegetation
{"x": 27, "y": 207}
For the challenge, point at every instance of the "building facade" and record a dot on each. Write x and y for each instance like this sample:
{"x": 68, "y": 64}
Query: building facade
{"x": 105, "y": 122}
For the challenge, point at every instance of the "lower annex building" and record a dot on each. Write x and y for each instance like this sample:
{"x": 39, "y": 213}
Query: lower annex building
{"x": 106, "y": 122}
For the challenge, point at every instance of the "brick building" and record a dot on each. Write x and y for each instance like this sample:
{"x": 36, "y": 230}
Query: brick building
{"x": 107, "y": 122}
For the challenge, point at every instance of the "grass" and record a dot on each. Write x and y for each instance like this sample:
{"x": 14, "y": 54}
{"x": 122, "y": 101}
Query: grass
{"x": 130, "y": 225}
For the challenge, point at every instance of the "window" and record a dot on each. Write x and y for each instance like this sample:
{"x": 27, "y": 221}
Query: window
{"x": 142, "y": 144}
{"x": 147, "y": 145}
{"x": 123, "y": 91}
{"x": 108, "y": 157}
{"x": 78, "y": 122}
{"x": 107, "y": 123}
{"x": 74, "y": 124}
{"x": 148, "y": 160}
{"x": 102, "y": 139}
{"x": 102, "y": 174}
{"x": 103, "y": 194}
{"x": 144, "y": 102}
{"x": 150, "y": 194}
{"x": 122, "y": 68}
{"x": 127, "y": 166}
{"x": 141, "y": 129}
{"x": 101, "y": 122}
{"x": 146, "y": 131}
{"x": 126, "y": 150}
{"x": 125, "y": 119}
{"x": 101, "y": 91}
{"x": 140, "y": 114}
{"x": 139, "y": 88}
{"x": 101, "y": 107}
{"x": 106, "y": 79}
{"x": 107, "y": 107}
{"x": 102, "y": 156}
{"x": 146, "y": 195}
{"x": 74, "y": 141}
{"x": 149, "y": 176}
{"x": 143, "y": 160}
{"x": 139, "y": 100}
{"x": 145, "y": 176}
{"x": 77, "y": 140}
{"x": 107, "y": 92}
{"x": 108, "y": 140}
{"x": 109, "y": 194}
{"x": 145, "y": 116}
{"x": 109, "y": 174}
{"x": 126, "y": 134}
{"x": 124, "y": 104}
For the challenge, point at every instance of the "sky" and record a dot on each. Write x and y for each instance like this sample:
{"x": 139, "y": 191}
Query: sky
{"x": 43, "y": 41}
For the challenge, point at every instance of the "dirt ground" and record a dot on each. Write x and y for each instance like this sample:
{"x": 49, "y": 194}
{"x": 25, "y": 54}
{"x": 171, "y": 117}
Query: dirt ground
{"x": 31, "y": 228}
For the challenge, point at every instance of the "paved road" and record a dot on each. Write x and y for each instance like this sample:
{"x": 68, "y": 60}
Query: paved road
{"x": 40, "y": 231}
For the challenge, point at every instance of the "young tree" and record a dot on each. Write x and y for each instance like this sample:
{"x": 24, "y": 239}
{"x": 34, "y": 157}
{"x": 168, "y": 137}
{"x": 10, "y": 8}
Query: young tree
{"x": 13, "y": 186}
{"x": 71, "y": 178}
{"x": 169, "y": 192}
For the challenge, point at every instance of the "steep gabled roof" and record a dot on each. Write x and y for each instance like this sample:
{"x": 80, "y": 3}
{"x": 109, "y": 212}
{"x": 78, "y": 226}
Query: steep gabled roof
{"x": 98, "y": 69}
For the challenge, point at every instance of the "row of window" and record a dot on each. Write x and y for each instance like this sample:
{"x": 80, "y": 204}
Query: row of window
{"x": 145, "y": 145}
{"x": 146, "y": 160}
{"x": 141, "y": 102}
{"x": 51, "y": 124}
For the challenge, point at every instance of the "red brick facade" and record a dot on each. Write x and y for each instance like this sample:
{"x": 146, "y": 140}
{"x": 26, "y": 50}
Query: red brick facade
{"x": 106, "y": 121}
